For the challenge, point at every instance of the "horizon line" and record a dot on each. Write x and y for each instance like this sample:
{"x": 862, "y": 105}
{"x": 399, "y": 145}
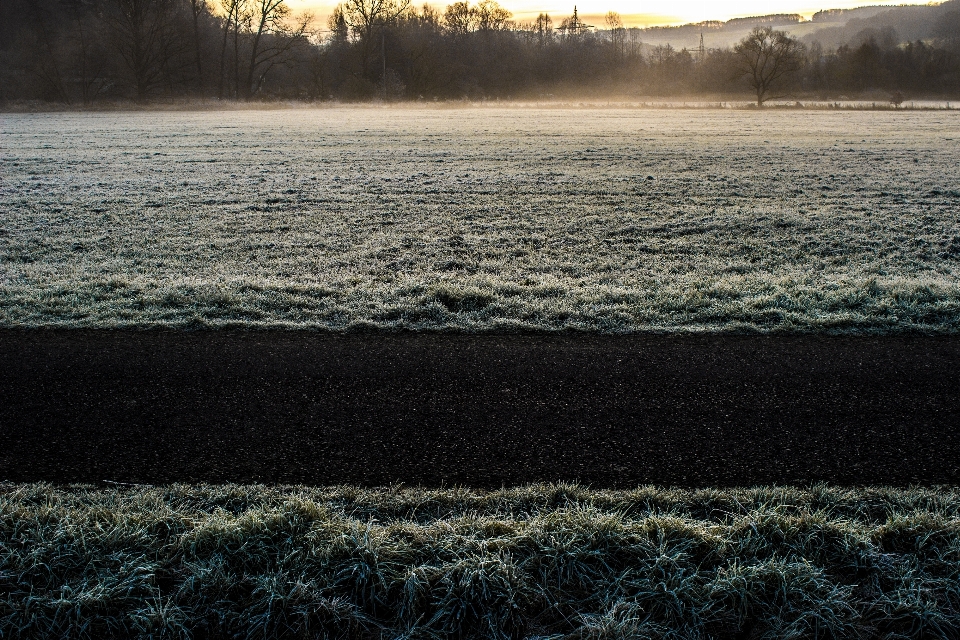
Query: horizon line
{"x": 323, "y": 8}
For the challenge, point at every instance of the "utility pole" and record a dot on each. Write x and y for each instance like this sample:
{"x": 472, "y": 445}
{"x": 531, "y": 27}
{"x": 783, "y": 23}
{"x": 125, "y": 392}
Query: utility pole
{"x": 578, "y": 27}
{"x": 574, "y": 25}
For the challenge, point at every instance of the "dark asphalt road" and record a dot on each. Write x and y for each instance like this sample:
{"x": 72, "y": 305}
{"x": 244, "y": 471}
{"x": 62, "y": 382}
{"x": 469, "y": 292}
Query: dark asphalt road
{"x": 158, "y": 407}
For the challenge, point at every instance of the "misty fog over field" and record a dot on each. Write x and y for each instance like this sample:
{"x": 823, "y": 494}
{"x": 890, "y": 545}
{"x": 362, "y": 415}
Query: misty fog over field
{"x": 605, "y": 220}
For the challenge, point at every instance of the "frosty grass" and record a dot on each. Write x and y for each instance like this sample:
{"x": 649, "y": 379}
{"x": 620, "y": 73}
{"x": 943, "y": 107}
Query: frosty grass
{"x": 475, "y": 219}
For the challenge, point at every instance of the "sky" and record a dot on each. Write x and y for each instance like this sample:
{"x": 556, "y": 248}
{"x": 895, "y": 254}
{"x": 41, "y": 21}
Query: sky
{"x": 641, "y": 13}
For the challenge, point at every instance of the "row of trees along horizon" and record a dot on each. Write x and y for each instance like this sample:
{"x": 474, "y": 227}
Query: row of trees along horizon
{"x": 83, "y": 51}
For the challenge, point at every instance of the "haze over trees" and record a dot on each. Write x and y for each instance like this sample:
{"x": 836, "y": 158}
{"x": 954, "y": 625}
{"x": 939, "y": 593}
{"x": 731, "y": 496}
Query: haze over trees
{"x": 81, "y": 51}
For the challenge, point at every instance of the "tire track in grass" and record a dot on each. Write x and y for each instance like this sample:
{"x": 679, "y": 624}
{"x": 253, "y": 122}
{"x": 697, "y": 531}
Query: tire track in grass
{"x": 485, "y": 411}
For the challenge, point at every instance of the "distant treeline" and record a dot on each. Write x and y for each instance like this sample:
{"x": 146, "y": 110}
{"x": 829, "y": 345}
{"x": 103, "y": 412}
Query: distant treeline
{"x": 81, "y": 51}
{"x": 735, "y": 24}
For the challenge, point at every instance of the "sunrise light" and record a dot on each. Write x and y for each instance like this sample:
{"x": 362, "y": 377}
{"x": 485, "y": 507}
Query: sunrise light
{"x": 648, "y": 12}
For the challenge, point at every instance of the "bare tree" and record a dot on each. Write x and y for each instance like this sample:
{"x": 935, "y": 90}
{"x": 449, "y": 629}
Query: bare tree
{"x": 147, "y": 40}
{"x": 234, "y": 9}
{"x": 425, "y": 72}
{"x": 543, "y": 27}
{"x": 89, "y": 61}
{"x": 459, "y": 18}
{"x": 365, "y": 18}
{"x": 197, "y": 8}
{"x": 45, "y": 62}
{"x": 768, "y": 58}
{"x": 337, "y": 24}
{"x": 618, "y": 35}
{"x": 490, "y": 16}
{"x": 269, "y": 23}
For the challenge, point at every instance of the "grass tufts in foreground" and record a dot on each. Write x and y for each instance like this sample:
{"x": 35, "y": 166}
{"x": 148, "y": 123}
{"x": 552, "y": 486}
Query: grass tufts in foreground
{"x": 543, "y": 561}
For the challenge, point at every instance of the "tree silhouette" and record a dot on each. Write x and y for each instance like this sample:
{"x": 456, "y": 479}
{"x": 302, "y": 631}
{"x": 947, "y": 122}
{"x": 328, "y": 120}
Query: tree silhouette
{"x": 768, "y": 58}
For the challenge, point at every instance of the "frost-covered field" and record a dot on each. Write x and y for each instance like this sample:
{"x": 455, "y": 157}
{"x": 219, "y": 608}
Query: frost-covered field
{"x": 482, "y": 218}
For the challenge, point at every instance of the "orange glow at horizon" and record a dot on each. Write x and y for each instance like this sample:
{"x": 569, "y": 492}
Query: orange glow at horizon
{"x": 640, "y": 14}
